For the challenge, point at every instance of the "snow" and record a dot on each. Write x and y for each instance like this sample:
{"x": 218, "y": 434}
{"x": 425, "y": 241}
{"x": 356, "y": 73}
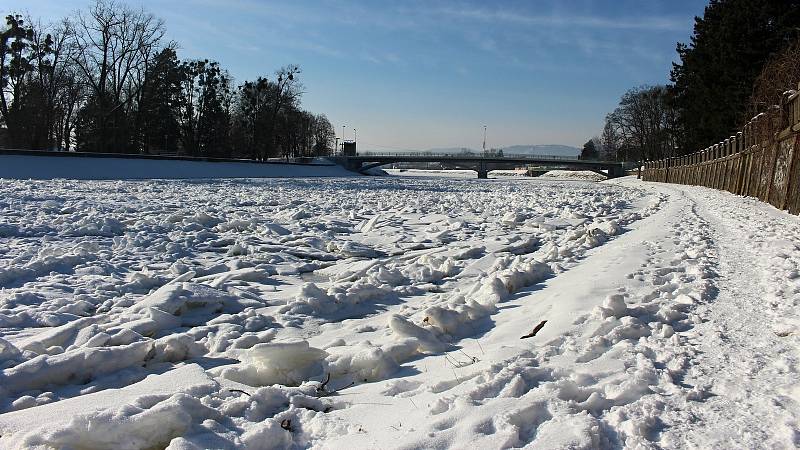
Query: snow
{"x": 453, "y": 173}
{"x": 389, "y": 312}
{"x": 189, "y": 378}
{"x": 584, "y": 175}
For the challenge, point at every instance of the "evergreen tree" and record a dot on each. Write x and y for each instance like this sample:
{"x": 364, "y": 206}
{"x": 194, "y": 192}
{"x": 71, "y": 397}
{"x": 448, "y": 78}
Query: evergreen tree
{"x": 16, "y": 68}
{"x": 589, "y": 150}
{"x": 324, "y": 135}
{"x": 204, "y": 110}
{"x": 158, "y": 114}
{"x": 102, "y": 81}
{"x": 729, "y": 46}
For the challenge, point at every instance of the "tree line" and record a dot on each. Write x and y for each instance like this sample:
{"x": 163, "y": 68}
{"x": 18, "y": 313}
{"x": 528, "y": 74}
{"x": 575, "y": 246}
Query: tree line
{"x": 741, "y": 57}
{"x": 106, "y": 80}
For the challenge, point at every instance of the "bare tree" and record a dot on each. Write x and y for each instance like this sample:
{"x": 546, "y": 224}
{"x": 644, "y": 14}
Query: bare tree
{"x": 287, "y": 93}
{"x": 114, "y": 47}
{"x": 610, "y": 140}
{"x": 58, "y": 81}
{"x": 780, "y": 74}
{"x": 644, "y": 124}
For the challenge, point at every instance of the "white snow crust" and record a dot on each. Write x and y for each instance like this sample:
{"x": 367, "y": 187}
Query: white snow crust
{"x": 369, "y": 312}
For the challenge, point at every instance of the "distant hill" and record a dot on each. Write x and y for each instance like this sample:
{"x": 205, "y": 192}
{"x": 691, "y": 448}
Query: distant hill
{"x": 452, "y": 150}
{"x": 550, "y": 150}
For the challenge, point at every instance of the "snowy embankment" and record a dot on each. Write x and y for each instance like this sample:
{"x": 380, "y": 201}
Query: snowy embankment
{"x": 576, "y": 175}
{"x": 24, "y": 167}
{"x": 583, "y": 175}
{"x": 386, "y": 313}
{"x": 452, "y": 173}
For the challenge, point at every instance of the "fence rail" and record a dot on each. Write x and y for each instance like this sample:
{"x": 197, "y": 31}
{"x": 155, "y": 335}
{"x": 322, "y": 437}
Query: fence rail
{"x": 757, "y": 162}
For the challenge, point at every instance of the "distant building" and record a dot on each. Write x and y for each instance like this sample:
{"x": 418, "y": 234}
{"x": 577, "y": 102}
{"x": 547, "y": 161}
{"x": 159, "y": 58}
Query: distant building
{"x": 349, "y": 148}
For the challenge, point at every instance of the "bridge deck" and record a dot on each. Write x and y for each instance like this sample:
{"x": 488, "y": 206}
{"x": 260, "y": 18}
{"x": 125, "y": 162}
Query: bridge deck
{"x": 481, "y": 164}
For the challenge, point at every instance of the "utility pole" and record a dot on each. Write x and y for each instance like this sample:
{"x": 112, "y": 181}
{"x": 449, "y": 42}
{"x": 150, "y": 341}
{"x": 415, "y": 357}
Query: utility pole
{"x": 484, "y": 139}
{"x": 354, "y": 134}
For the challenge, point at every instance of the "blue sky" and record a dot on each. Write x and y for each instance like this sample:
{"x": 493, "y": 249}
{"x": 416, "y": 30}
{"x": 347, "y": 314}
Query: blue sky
{"x": 421, "y": 74}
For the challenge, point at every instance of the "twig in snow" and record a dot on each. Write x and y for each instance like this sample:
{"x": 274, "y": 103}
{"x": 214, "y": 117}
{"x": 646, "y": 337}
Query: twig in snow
{"x": 472, "y": 358}
{"x": 455, "y": 363}
{"x": 240, "y": 391}
{"x": 324, "y": 383}
{"x": 535, "y": 330}
{"x": 352, "y": 383}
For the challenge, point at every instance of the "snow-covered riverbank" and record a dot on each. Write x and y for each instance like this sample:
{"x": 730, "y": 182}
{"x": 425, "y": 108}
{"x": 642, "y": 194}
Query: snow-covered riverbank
{"x": 388, "y": 312}
{"x": 118, "y": 167}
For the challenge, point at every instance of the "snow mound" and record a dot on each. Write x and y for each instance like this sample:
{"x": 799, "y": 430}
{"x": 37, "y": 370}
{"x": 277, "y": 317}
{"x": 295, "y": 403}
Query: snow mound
{"x": 287, "y": 363}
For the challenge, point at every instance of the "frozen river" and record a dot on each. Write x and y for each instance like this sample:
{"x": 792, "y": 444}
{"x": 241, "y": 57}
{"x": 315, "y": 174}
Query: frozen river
{"x": 354, "y": 312}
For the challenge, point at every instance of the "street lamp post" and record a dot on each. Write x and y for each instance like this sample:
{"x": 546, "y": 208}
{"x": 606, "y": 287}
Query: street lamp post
{"x": 354, "y": 134}
{"x": 484, "y": 139}
{"x": 342, "y": 149}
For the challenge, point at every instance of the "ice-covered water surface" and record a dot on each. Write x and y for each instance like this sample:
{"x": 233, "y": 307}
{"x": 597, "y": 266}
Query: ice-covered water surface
{"x": 350, "y": 313}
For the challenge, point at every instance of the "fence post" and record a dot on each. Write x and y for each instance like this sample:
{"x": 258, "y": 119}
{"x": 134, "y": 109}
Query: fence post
{"x": 737, "y": 181}
{"x": 757, "y": 149}
{"x": 723, "y": 164}
{"x": 788, "y": 107}
{"x": 770, "y": 146}
{"x": 701, "y": 174}
{"x": 686, "y": 169}
{"x": 728, "y": 164}
{"x": 718, "y": 164}
{"x": 710, "y": 164}
{"x": 669, "y": 170}
{"x": 714, "y": 150}
{"x": 747, "y": 169}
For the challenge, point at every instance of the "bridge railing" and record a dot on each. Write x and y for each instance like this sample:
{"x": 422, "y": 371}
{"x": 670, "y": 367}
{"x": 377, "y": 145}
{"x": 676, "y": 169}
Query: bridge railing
{"x": 468, "y": 155}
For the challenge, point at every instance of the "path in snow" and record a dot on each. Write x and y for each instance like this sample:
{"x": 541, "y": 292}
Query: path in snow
{"x": 746, "y": 359}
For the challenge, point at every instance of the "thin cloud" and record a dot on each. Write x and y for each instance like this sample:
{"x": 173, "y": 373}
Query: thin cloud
{"x": 618, "y": 23}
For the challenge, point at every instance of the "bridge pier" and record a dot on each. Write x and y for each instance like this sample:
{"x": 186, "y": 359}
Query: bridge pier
{"x": 616, "y": 171}
{"x": 483, "y": 172}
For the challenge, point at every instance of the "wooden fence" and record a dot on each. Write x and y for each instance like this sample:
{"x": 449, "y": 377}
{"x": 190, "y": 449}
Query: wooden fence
{"x": 757, "y": 162}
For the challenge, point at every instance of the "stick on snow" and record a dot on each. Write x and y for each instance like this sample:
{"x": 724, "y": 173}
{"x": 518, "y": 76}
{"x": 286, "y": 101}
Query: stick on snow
{"x": 535, "y": 330}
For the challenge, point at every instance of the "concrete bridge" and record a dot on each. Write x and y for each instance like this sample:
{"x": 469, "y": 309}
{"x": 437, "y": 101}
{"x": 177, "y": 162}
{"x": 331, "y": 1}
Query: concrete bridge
{"x": 479, "y": 163}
